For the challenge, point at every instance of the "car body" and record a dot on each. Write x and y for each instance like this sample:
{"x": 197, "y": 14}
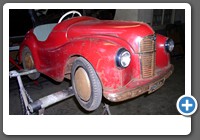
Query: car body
{"x": 117, "y": 59}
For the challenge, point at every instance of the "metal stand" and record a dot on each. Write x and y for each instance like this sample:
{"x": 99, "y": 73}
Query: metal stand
{"x": 42, "y": 103}
{"x": 39, "y": 105}
{"x": 106, "y": 110}
{"x": 23, "y": 93}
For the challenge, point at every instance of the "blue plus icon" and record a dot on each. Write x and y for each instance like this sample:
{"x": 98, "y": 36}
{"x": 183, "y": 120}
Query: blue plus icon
{"x": 186, "y": 105}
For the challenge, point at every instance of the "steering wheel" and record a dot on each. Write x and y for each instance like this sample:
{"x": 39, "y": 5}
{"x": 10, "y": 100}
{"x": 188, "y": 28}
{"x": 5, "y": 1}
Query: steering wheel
{"x": 70, "y": 13}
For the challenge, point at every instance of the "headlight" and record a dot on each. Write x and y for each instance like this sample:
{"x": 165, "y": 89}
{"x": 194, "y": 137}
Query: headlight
{"x": 169, "y": 45}
{"x": 123, "y": 58}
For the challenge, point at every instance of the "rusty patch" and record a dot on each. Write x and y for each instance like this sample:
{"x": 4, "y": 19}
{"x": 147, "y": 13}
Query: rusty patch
{"x": 69, "y": 67}
{"x": 128, "y": 94}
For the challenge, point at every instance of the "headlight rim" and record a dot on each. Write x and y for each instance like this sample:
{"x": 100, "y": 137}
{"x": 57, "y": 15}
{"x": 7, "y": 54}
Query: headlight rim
{"x": 119, "y": 58}
{"x": 167, "y": 43}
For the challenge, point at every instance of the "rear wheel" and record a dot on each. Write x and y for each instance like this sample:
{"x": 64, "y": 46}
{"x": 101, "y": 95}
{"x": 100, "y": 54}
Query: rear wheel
{"x": 86, "y": 84}
{"x": 28, "y": 63}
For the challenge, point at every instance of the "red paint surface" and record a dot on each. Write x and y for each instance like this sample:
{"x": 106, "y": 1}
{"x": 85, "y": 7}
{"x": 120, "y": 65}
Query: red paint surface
{"x": 161, "y": 54}
{"x": 97, "y": 41}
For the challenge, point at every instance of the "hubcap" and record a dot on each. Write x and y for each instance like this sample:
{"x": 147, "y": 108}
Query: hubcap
{"x": 29, "y": 64}
{"x": 82, "y": 84}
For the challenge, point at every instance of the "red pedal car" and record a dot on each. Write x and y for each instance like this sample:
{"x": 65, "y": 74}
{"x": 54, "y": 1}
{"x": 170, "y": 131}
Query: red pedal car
{"x": 117, "y": 59}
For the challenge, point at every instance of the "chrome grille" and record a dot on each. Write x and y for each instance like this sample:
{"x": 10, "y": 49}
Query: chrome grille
{"x": 147, "y": 56}
{"x": 147, "y": 45}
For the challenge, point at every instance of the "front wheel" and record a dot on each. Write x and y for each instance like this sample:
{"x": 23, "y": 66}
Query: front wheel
{"x": 86, "y": 84}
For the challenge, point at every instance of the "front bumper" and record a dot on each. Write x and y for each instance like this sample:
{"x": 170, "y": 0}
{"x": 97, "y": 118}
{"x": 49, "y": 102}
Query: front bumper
{"x": 131, "y": 91}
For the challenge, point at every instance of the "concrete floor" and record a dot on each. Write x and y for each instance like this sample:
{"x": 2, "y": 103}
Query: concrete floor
{"x": 161, "y": 102}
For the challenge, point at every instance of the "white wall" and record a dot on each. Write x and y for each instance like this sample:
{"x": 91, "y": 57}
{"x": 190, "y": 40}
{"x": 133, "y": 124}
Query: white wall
{"x": 145, "y": 15}
{"x": 126, "y": 14}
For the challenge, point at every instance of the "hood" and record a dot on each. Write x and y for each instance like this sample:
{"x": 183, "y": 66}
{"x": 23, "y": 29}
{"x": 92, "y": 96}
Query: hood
{"x": 130, "y": 31}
